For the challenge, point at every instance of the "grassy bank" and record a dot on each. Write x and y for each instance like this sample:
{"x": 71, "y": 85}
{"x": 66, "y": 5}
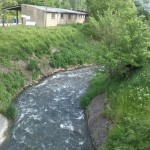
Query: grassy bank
{"x": 128, "y": 108}
{"x": 28, "y": 52}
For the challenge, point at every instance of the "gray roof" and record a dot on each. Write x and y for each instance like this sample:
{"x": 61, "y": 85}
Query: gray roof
{"x": 58, "y": 10}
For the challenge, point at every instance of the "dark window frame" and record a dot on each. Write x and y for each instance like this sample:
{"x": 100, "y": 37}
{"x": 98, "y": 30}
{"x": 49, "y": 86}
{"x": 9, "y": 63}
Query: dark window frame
{"x": 61, "y": 16}
{"x": 53, "y": 15}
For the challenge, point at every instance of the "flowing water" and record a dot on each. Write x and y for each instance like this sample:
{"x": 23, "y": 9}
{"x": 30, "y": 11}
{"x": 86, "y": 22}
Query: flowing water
{"x": 49, "y": 116}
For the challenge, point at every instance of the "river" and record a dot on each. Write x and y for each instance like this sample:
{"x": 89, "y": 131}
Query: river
{"x": 49, "y": 117}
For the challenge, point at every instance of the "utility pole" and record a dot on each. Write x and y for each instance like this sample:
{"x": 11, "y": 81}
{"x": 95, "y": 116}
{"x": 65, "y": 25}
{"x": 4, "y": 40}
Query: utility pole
{"x": 3, "y": 13}
{"x": 3, "y": 18}
{"x": 46, "y": 12}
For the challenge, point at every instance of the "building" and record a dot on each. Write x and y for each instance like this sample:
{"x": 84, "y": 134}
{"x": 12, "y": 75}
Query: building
{"x": 46, "y": 16}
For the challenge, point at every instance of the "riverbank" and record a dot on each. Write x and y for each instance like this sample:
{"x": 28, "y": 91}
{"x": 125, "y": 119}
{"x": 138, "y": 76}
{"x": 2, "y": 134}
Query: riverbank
{"x": 98, "y": 124}
{"x": 128, "y": 108}
{"x": 4, "y": 122}
{"x": 53, "y": 107}
{"x": 28, "y": 60}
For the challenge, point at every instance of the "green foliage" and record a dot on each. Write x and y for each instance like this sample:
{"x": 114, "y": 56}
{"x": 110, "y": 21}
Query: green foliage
{"x": 99, "y": 7}
{"x": 128, "y": 108}
{"x": 69, "y": 4}
{"x": 33, "y": 66}
{"x": 8, "y": 15}
{"x": 10, "y": 112}
{"x": 98, "y": 86}
{"x": 123, "y": 36}
{"x": 23, "y": 50}
{"x": 124, "y": 42}
{"x": 143, "y": 9}
{"x": 9, "y": 87}
{"x": 84, "y": 53}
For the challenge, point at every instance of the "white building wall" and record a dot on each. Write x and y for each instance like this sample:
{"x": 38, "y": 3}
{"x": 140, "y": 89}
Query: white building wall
{"x": 50, "y": 21}
{"x": 42, "y": 18}
{"x": 36, "y": 15}
{"x": 74, "y": 18}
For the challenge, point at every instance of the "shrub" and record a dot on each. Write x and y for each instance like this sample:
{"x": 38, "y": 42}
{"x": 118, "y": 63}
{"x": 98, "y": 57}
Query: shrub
{"x": 33, "y": 66}
{"x": 11, "y": 111}
{"x": 123, "y": 36}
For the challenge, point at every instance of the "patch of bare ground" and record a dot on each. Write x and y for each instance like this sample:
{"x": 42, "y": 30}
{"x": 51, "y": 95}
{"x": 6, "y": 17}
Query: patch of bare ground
{"x": 45, "y": 69}
{"x": 54, "y": 50}
{"x": 22, "y": 66}
{"x": 98, "y": 124}
{"x": 4, "y": 70}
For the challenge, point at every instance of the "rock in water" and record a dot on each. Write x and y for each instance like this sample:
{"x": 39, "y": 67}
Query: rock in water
{"x": 3, "y": 128}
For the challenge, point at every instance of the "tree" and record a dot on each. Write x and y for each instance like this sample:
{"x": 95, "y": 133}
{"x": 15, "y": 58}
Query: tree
{"x": 9, "y": 15}
{"x": 70, "y": 4}
{"x": 96, "y": 7}
{"x": 143, "y": 9}
{"x": 123, "y": 36}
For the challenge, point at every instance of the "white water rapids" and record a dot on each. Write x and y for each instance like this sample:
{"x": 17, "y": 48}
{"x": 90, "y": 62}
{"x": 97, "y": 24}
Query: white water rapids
{"x": 49, "y": 116}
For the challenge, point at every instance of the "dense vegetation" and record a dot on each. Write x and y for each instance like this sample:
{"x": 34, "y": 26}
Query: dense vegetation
{"x": 70, "y": 4}
{"x": 124, "y": 53}
{"x": 115, "y": 37}
{"x": 123, "y": 36}
{"x": 128, "y": 107}
{"x": 26, "y": 53}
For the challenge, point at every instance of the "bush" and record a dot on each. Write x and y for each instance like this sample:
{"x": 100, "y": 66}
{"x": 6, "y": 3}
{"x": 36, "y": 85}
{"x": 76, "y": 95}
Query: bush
{"x": 10, "y": 112}
{"x": 123, "y": 36}
{"x": 98, "y": 86}
{"x": 33, "y": 66}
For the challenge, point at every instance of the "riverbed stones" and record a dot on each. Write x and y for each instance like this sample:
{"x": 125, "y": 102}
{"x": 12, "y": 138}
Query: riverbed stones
{"x": 3, "y": 128}
{"x": 98, "y": 124}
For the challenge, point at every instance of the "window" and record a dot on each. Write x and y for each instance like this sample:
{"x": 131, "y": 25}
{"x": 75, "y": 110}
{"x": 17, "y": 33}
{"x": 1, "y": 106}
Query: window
{"x": 53, "y": 15}
{"x": 69, "y": 16}
{"x": 61, "y": 16}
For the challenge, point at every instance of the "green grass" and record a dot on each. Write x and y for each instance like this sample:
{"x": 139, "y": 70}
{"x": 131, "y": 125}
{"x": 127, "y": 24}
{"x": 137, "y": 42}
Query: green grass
{"x": 98, "y": 86}
{"x": 128, "y": 108}
{"x": 128, "y": 99}
{"x": 25, "y": 51}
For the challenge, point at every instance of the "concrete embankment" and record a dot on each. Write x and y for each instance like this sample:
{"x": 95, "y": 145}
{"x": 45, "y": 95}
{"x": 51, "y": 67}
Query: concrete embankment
{"x": 3, "y": 128}
{"x": 98, "y": 124}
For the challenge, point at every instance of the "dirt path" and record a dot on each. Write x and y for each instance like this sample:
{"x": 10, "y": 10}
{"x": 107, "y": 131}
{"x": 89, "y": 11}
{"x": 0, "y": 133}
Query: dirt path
{"x": 97, "y": 123}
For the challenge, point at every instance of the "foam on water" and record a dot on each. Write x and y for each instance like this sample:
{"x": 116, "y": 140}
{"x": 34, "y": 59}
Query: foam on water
{"x": 29, "y": 130}
{"x": 42, "y": 84}
{"x": 3, "y": 128}
{"x": 67, "y": 125}
{"x": 49, "y": 115}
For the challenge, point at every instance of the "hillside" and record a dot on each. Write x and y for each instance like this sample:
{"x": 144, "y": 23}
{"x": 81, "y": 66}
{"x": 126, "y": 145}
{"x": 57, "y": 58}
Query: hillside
{"x": 27, "y": 54}
{"x": 128, "y": 108}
